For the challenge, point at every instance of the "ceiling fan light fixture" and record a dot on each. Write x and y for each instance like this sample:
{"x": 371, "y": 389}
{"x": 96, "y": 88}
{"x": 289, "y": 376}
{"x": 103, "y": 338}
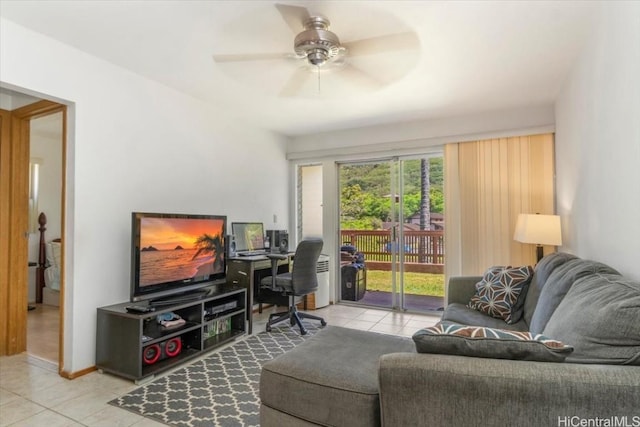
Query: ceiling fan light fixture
{"x": 317, "y": 57}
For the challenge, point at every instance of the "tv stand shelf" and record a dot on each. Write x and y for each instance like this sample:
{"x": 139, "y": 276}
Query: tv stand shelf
{"x": 127, "y": 341}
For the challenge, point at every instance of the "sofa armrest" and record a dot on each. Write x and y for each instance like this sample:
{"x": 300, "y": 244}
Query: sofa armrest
{"x": 461, "y": 289}
{"x": 442, "y": 390}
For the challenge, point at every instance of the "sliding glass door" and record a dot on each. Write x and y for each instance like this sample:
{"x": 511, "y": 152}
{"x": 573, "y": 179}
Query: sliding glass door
{"x": 391, "y": 232}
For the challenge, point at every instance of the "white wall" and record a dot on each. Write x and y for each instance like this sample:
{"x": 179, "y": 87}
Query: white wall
{"x": 598, "y": 144}
{"x": 414, "y": 137}
{"x": 135, "y": 145}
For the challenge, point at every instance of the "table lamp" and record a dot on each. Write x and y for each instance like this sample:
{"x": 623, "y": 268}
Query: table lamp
{"x": 539, "y": 230}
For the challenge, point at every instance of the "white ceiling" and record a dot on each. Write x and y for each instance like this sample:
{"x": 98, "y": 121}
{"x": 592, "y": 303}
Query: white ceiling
{"x": 473, "y": 56}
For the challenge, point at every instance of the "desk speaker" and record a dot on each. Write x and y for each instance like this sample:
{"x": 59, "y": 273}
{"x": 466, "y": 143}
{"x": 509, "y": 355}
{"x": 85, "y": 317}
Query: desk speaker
{"x": 231, "y": 246}
{"x": 279, "y": 240}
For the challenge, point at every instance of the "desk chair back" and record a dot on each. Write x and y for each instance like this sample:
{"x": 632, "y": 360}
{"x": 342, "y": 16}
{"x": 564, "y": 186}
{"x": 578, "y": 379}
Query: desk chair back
{"x": 304, "y": 277}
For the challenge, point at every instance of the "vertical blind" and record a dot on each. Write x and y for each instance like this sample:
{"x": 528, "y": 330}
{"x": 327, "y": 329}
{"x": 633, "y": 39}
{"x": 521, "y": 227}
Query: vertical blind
{"x": 487, "y": 185}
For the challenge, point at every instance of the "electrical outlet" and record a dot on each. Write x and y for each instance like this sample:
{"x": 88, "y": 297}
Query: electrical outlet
{"x": 275, "y": 218}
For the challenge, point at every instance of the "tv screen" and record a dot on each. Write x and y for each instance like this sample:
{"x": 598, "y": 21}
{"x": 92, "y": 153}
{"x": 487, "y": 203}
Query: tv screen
{"x": 176, "y": 253}
{"x": 249, "y": 236}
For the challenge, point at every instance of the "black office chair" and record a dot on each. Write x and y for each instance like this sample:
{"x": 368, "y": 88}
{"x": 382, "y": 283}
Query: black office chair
{"x": 301, "y": 281}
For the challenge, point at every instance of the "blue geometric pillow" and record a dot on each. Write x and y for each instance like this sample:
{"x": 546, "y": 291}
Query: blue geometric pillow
{"x": 477, "y": 341}
{"x": 498, "y": 291}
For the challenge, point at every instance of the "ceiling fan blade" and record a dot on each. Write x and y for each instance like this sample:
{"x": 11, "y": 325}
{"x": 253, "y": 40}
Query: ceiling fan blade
{"x": 390, "y": 42}
{"x": 294, "y": 16}
{"x": 295, "y": 82}
{"x": 250, "y": 57}
{"x": 361, "y": 78}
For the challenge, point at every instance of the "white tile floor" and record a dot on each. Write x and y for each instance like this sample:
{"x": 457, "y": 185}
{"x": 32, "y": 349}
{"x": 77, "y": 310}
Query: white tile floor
{"x": 32, "y": 393}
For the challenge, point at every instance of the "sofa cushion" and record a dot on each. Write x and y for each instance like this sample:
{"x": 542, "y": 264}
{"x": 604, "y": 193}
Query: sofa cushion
{"x": 460, "y": 313}
{"x": 498, "y": 291}
{"x": 476, "y": 341}
{"x": 557, "y": 286}
{"x": 331, "y": 378}
{"x": 600, "y": 318}
{"x": 541, "y": 273}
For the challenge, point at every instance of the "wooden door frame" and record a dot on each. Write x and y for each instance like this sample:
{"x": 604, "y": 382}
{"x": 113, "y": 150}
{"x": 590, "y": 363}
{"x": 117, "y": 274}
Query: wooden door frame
{"x": 14, "y": 190}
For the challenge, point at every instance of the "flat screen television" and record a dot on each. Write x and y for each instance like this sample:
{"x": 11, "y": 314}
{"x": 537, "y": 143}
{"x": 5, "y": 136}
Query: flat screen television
{"x": 175, "y": 256}
{"x": 249, "y": 236}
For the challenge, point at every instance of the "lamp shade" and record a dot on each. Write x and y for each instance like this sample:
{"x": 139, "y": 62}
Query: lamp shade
{"x": 538, "y": 229}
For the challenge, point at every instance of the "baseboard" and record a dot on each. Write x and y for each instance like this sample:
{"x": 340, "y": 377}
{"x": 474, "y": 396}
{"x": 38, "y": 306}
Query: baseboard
{"x": 77, "y": 374}
{"x": 42, "y": 363}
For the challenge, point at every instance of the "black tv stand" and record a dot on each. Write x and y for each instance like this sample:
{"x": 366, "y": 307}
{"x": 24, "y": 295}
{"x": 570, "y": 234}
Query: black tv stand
{"x": 127, "y": 343}
{"x": 180, "y": 298}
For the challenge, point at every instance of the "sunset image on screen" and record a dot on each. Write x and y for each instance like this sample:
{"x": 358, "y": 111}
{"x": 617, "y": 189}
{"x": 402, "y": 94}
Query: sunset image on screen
{"x": 174, "y": 249}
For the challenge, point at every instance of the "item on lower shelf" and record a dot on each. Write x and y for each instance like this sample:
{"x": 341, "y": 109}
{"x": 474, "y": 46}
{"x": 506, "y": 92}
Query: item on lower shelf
{"x": 217, "y": 309}
{"x": 216, "y": 327}
{"x": 170, "y": 320}
{"x": 212, "y": 311}
{"x": 157, "y": 352}
{"x": 173, "y": 323}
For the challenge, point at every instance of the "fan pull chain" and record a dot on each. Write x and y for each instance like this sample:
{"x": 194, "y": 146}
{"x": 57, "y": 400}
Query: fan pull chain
{"x": 318, "y": 67}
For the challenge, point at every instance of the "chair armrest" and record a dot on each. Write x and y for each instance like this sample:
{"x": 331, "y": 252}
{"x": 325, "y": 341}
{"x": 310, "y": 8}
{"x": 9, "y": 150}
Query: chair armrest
{"x": 461, "y": 289}
{"x": 442, "y": 390}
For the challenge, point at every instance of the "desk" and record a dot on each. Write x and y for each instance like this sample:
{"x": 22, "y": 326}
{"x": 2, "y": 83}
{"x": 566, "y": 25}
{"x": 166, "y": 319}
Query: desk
{"x": 247, "y": 271}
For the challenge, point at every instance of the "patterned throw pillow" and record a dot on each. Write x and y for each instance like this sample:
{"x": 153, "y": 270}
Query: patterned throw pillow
{"x": 477, "y": 341}
{"x": 498, "y": 291}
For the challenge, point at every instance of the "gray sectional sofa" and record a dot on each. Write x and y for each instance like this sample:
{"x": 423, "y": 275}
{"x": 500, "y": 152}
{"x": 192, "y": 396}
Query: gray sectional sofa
{"x": 344, "y": 377}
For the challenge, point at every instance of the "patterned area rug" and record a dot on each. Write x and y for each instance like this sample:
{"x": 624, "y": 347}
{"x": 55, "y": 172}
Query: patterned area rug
{"x": 219, "y": 390}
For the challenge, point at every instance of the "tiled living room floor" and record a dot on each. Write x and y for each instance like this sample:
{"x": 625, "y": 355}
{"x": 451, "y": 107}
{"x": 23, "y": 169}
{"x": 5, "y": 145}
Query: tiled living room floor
{"x": 368, "y": 319}
{"x": 33, "y": 394}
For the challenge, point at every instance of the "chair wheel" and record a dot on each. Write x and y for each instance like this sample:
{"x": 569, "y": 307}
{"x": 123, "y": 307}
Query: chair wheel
{"x": 303, "y": 332}
{"x": 323, "y": 323}
{"x": 268, "y": 328}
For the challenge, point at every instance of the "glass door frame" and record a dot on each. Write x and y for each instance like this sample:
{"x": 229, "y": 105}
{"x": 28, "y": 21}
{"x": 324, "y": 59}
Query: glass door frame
{"x": 396, "y": 218}
{"x": 397, "y": 247}
{"x": 397, "y": 234}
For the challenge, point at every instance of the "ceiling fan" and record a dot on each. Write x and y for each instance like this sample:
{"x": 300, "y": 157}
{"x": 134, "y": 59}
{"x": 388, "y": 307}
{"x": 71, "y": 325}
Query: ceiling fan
{"x": 316, "y": 49}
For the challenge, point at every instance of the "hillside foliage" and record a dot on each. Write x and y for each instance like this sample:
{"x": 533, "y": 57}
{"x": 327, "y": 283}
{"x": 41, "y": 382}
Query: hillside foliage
{"x": 366, "y": 200}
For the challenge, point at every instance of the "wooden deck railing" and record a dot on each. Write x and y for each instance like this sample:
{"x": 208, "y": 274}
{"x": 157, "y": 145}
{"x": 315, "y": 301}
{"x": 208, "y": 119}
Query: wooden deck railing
{"x": 423, "y": 250}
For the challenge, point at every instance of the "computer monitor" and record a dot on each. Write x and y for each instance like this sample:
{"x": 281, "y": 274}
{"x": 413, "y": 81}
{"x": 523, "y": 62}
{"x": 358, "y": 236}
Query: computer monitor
{"x": 249, "y": 236}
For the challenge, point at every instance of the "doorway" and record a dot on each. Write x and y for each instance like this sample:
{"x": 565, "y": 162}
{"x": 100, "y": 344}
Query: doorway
{"x": 33, "y": 177}
{"x": 45, "y": 228}
{"x": 392, "y": 232}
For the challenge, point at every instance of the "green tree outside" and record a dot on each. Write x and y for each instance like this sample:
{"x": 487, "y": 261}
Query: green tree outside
{"x": 366, "y": 203}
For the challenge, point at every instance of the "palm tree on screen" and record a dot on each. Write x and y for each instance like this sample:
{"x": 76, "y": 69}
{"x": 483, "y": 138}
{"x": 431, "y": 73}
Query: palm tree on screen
{"x": 208, "y": 244}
